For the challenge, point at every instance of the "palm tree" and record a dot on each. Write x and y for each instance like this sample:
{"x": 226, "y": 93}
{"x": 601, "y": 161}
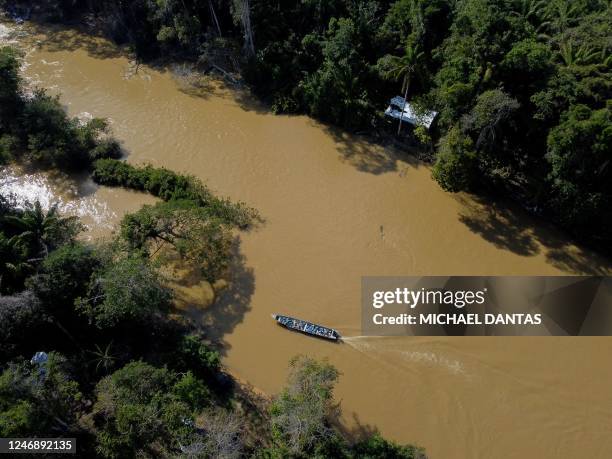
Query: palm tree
{"x": 533, "y": 12}
{"x": 103, "y": 358}
{"x": 582, "y": 55}
{"x": 43, "y": 230}
{"x": 34, "y": 224}
{"x": 528, "y": 9}
{"x": 606, "y": 59}
{"x": 559, "y": 15}
{"x": 403, "y": 67}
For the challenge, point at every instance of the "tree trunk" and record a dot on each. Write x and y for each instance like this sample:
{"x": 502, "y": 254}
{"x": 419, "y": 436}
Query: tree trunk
{"x": 214, "y": 16}
{"x": 67, "y": 333}
{"x": 249, "y": 44}
{"x": 399, "y": 126}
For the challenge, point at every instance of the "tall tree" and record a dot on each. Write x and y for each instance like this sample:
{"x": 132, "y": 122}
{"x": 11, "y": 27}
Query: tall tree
{"x": 242, "y": 13}
{"x": 300, "y": 414}
{"x": 44, "y": 230}
{"x": 402, "y": 67}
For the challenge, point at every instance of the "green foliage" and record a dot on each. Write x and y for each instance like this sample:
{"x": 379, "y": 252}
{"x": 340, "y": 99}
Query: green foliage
{"x": 49, "y": 133}
{"x": 201, "y": 240}
{"x": 488, "y": 121}
{"x": 63, "y": 276}
{"x": 38, "y": 399}
{"x": 27, "y": 236}
{"x": 21, "y": 318}
{"x": 300, "y": 414}
{"x": 510, "y": 77}
{"x": 402, "y": 67}
{"x": 377, "y": 447}
{"x": 193, "y": 353}
{"x": 423, "y": 136}
{"x": 456, "y": 165}
{"x": 141, "y": 409}
{"x": 191, "y": 391}
{"x": 37, "y": 130}
{"x": 530, "y": 63}
{"x": 10, "y": 82}
{"x": 8, "y": 148}
{"x": 334, "y": 93}
{"x": 126, "y": 290}
{"x": 171, "y": 186}
{"x": 579, "y": 152}
{"x": 52, "y": 139}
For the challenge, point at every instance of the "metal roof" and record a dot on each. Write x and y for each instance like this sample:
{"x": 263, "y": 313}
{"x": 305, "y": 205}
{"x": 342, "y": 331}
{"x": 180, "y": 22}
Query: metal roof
{"x": 409, "y": 114}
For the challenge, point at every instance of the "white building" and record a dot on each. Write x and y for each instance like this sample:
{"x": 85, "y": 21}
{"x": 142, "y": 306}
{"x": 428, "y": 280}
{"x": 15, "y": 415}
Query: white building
{"x": 409, "y": 114}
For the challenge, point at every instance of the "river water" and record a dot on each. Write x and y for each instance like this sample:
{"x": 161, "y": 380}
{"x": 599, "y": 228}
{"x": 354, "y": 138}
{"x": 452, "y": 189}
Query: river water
{"x": 338, "y": 208}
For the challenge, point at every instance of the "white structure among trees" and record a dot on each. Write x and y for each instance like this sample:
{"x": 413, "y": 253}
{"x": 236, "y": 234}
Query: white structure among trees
{"x": 399, "y": 108}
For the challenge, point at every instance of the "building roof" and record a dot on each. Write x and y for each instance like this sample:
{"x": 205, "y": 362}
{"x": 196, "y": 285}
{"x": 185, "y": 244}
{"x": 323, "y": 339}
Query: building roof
{"x": 40, "y": 357}
{"x": 409, "y": 114}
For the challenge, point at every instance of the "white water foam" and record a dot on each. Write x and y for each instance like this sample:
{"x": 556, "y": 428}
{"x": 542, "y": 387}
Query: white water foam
{"x": 28, "y": 188}
{"x": 369, "y": 345}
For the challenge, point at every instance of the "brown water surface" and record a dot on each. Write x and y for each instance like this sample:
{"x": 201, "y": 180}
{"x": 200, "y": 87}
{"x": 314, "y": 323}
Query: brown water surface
{"x": 338, "y": 208}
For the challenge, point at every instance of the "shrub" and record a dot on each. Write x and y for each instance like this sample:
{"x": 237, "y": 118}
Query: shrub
{"x": 170, "y": 186}
{"x": 193, "y": 353}
{"x": 456, "y": 164}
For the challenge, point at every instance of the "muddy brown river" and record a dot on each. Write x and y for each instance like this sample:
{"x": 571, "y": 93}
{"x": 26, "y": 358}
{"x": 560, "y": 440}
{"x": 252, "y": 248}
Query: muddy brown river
{"x": 338, "y": 208}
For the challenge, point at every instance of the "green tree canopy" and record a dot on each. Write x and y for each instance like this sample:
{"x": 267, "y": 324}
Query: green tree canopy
{"x": 580, "y": 152}
{"x": 38, "y": 399}
{"x": 142, "y": 410}
{"x": 199, "y": 238}
{"x": 300, "y": 413}
{"x": 127, "y": 289}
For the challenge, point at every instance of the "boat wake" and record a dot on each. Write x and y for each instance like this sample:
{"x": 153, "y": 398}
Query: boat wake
{"x": 371, "y": 346}
{"x": 359, "y": 343}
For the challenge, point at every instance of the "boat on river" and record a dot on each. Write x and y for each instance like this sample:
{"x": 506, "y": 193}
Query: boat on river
{"x": 306, "y": 327}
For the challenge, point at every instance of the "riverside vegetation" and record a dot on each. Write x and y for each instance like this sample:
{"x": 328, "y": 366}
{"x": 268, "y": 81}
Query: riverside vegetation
{"x": 120, "y": 372}
{"x": 522, "y": 87}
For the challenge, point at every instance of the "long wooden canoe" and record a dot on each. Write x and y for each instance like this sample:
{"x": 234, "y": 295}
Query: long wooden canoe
{"x": 306, "y": 327}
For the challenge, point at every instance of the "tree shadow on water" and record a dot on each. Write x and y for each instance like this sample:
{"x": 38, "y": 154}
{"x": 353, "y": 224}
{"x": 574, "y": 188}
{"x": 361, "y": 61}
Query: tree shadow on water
{"x": 575, "y": 260}
{"x": 62, "y": 38}
{"x": 508, "y": 227}
{"x": 229, "y": 306}
{"x": 366, "y": 155}
{"x": 500, "y": 225}
{"x": 203, "y": 83}
{"x": 249, "y": 102}
{"x": 354, "y": 429}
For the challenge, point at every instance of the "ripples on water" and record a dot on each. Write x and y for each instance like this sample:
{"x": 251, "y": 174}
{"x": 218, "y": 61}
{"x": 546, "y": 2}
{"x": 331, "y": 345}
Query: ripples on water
{"x": 23, "y": 188}
{"x": 365, "y": 344}
{"x": 77, "y": 201}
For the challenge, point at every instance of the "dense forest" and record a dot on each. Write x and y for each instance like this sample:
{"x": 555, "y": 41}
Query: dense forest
{"x": 89, "y": 345}
{"x": 522, "y": 87}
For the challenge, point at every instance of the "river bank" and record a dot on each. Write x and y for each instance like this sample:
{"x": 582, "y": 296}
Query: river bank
{"x": 338, "y": 208}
